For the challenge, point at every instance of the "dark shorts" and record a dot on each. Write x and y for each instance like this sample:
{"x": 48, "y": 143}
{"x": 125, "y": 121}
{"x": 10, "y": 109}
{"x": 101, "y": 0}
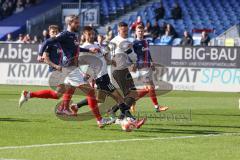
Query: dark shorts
{"x": 103, "y": 83}
{"x": 124, "y": 80}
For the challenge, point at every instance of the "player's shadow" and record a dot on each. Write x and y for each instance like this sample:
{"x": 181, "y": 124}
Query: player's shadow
{"x": 177, "y": 131}
{"x": 206, "y": 126}
{"x": 211, "y": 114}
{"x": 19, "y": 120}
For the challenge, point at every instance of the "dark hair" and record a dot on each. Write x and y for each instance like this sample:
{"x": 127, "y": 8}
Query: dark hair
{"x": 122, "y": 24}
{"x": 54, "y": 27}
{"x": 87, "y": 29}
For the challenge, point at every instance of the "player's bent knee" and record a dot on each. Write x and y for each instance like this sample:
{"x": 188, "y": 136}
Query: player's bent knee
{"x": 129, "y": 101}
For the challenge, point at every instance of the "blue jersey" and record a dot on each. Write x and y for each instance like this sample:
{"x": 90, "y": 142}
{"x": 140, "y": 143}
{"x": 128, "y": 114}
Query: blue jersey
{"x": 55, "y": 54}
{"x": 141, "y": 48}
{"x": 70, "y": 47}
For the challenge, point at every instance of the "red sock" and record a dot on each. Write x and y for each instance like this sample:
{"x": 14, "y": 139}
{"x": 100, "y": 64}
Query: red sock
{"x": 152, "y": 95}
{"x": 92, "y": 102}
{"x": 44, "y": 94}
{"x": 67, "y": 96}
{"x": 142, "y": 93}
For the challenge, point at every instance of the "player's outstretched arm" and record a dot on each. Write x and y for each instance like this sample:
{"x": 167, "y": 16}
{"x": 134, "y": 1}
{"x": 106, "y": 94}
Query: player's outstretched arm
{"x": 59, "y": 38}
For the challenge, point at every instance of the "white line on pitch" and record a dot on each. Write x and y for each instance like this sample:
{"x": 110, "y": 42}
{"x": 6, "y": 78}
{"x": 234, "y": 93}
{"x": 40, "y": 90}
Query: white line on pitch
{"x": 115, "y": 141}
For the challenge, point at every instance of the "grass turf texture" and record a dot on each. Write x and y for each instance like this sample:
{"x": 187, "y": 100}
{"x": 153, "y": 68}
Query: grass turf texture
{"x": 190, "y": 114}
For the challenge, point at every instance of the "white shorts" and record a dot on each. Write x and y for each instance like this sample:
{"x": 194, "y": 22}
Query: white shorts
{"x": 75, "y": 78}
{"x": 69, "y": 76}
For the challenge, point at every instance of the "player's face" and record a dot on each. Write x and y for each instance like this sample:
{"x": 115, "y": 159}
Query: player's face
{"x": 139, "y": 33}
{"x": 100, "y": 39}
{"x": 89, "y": 36}
{"x": 123, "y": 32}
{"x": 75, "y": 25}
{"x": 53, "y": 33}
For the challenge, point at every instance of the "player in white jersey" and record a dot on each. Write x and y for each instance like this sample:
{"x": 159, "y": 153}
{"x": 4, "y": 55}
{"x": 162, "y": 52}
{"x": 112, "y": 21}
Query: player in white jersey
{"x": 98, "y": 64}
{"x": 121, "y": 52}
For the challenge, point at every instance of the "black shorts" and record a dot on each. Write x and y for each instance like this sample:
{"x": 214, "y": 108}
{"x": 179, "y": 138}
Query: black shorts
{"x": 103, "y": 83}
{"x": 124, "y": 80}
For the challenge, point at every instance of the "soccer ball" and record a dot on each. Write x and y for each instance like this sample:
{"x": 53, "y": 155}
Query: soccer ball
{"x": 127, "y": 125}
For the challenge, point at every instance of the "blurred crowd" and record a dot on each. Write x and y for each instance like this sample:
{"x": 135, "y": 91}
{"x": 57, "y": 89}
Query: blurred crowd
{"x": 155, "y": 33}
{"x": 9, "y": 7}
{"x": 158, "y": 35}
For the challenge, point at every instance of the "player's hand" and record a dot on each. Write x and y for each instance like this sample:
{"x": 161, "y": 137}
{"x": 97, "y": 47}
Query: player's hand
{"x": 114, "y": 63}
{"x": 58, "y": 68}
{"x": 94, "y": 50}
{"x": 134, "y": 68}
{"x": 40, "y": 59}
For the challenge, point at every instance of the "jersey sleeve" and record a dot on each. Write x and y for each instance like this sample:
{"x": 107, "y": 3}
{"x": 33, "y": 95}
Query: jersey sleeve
{"x": 84, "y": 49}
{"x": 61, "y": 37}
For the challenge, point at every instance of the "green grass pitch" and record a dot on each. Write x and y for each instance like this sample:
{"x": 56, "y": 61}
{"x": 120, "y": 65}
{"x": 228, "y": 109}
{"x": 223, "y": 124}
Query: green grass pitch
{"x": 198, "y": 126}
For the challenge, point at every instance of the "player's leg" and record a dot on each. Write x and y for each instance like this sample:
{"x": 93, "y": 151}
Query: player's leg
{"x": 92, "y": 102}
{"x": 66, "y": 99}
{"x": 152, "y": 94}
{"x": 45, "y": 94}
{"x": 101, "y": 96}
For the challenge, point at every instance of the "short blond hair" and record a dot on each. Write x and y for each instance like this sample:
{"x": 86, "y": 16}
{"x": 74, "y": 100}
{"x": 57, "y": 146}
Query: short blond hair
{"x": 69, "y": 19}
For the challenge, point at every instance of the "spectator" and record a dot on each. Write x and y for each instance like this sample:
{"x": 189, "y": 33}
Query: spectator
{"x": 8, "y": 7}
{"x": 19, "y": 7}
{"x": 9, "y": 38}
{"x": 166, "y": 39}
{"x": 100, "y": 39}
{"x": 45, "y": 35}
{"x": 205, "y": 39}
{"x": 136, "y": 23}
{"x": 171, "y": 30}
{"x": 176, "y": 12}
{"x": 109, "y": 36}
{"x": 187, "y": 39}
{"x": 35, "y": 40}
{"x": 155, "y": 30}
{"x": 147, "y": 29}
{"x": 20, "y": 38}
{"x": 28, "y": 4}
{"x": 27, "y": 39}
{"x": 5, "y": 10}
{"x": 160, "y": 12}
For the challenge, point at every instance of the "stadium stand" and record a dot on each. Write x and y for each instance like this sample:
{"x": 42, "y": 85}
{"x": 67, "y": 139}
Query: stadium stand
{"x": 214, "y": 17}
{"x": 16, "y": 23}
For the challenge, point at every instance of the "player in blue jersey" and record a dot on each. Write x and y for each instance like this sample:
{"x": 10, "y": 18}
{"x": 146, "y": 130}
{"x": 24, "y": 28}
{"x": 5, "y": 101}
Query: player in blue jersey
{"x": 144, "y": 66}
{"x": 71, "y": 77}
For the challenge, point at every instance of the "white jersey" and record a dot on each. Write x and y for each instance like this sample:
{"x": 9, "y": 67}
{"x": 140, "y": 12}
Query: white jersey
{"x": 120, "y": 45}
{"x": 96, "y": 61}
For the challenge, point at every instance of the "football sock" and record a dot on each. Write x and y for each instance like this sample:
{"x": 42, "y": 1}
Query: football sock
{"x": 153, "y": 97}
{"x": 93, "y": 105}
{"x": 67, "y": 96}
{"x": 44, "y": 94}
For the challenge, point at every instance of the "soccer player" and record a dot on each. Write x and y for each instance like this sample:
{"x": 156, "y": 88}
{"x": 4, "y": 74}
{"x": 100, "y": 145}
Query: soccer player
{"x": 70, "y": 51}
{"x": 121, "y": 51}
{"x": 145, "y": 67}
{"x": 101, "y": 77}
